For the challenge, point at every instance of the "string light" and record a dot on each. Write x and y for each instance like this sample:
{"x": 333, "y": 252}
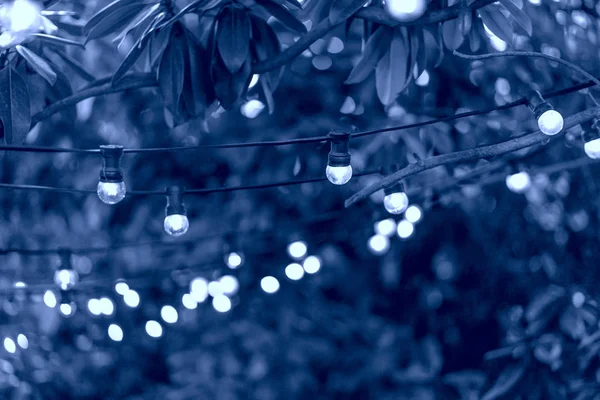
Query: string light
{"x": 154, "y": 329}
{"x": 413, "y": 214}
{"x": 229, "y": 285}
{"x": 294, "y": 271}
{"x": 94, "y": 307}
{"x": 311, "y": 265}
{"x": 115, "y": 333}
{"x": 297, "y": 249}
{"x": 221, "y": 303}
{"x": 339, "y": 170}
{"x": 50, "y": 299}
{"x": 131, "y": 298}
{"x": 107, "y": 307}
{"x": 169, "y": 314}
{"x": 199, "y": 289}
{"x": 591, "y": 139}
{"x": 215, "y": 289}
{"x": 65, "y": 277}
{"x": 385, "y": 227}
{"x": 111, "y": 187}
{"x": 405, "y": 229}
{"x": 68, "y": 309}
{"x": 20, "y": 284}
{"x": 22, "y": 341}
{"x": 188, "y": 301}
{"x": 549, "y": 120}
{"x": 9, "y": 345}
{"x": 121, "y": 287}
{"x": 176, "y": 221}
{"x": 395, "y": 200}
{"x": 379, "y": 244}
{"x": 519, "y": 182}
{"x": 269, "y": 284}
{"x": 234, "y": 260}
{"x": 405, "y": 10}
{"x": 20, "y": 16}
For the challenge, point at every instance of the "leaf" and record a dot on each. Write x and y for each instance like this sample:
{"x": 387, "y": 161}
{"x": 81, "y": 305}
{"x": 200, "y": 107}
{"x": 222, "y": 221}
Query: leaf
{"x": 111, "y": 20}
{"x": 61, "y": 89}
{"x": 57, "y": 40}
{"x": 38, "y": 64}
{"x": 437, "y": 37}
{"x": 142, "y": 16}
{"x": 229, "y": 88}
{"x": 266, "y": 45}
{"x": 391, "y": 73}
{"x": 158, "y": 43}
{"x": 233, "y": 37}
{"x": 496, "y": 22}
{"x": 465, "y": 21}
{"x": 421, "y": 56}
{"x": 268, "y": 94}
{"x": 283, "y": 15}
{"x": 508, "y": 378}
{"x": 475, "y": 37}
{"x": 375, "y": 48}
{"x": 198, "y": 90}
{"x": 133, "y": 55}
{"x": 75, "y": 65}
{"x": 572, "y": 324}
{"x": 453, "y": 37}
{"x": 171, "y": 72}
{"x": 519, "y": 15}
{"x": 341, "y": 10}
{"x": 15, "y": 110}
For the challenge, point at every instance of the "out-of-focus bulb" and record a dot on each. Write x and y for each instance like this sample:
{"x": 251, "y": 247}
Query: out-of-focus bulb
{"x": 107, "y": 307}
{"x": 405, "y": 229}
{"x": 229, "y": 285}
{"x": 68, "y": 309}
{"x": 269, "y": 284}
{"x": 21, "y": 15}
{"x": 311, "y": 265}
{"x": 50, "y": 299}
{"x": 385, "y": 227}
{"x": 94, "y": 307}
{"x": 339, "y": 175}
{"x": 169, "y": 314}
{"x": 379, "y": 244}
{"x": 115, "y": 333}
{"x": 66, "y": 278}
{"x": 519, "y": 182}
{"x": 294, "y": 271}
{"x": 10, "y": 345}
{"x": 550, "y": 122}
{"x": 188, "y": 301}
{"x": 297, "y": 249}
{"x": 22, "y": 341}
{"x": 199, "y": 289}
{"x": 176, "y": 224}
{"x": 395, "y": 203}
{"x": 413, "y": 214}
{"x": 154, "y": 329}
{"x": 221, "y": 303}
{"x": 111, "y": 192}
{"x": 121, "y": 287}
{"x": 131, "y": 298}
{"x": 234, "y": 260}
{"x": 592, "y": 149}
{"x": 405, "y": 10}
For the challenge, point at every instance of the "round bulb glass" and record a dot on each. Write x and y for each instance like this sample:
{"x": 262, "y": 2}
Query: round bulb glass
{"x": 66, "y": 278}
{"x": 405, "y": 10}
{"x": 50, "y": 299}
{"x": 592, "y": 149}
{"x": 551, "y": 122}
{"x": 297, "y": 249}
{"x": 405, "y": 229}
{"x": 413, "y": 214}
{"x": 111, "y": 192}
{"x": 396, "y": 203}
{"x": 379, "y": 244}
{"x": 94, "y": 307}
{"x": 519, "y": 182}
{"x": 269, "y": 284}
{"x": 339, "y": 175}
{"x": 176, "y": 224}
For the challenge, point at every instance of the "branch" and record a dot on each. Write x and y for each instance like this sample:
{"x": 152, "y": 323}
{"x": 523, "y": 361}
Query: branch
{"x": 530, "y": 54}
{"x": 471, "y": 155}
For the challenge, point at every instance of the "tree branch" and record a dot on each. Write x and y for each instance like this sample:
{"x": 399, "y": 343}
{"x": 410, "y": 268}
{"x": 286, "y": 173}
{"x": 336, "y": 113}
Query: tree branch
{"x": 471, "y": 155}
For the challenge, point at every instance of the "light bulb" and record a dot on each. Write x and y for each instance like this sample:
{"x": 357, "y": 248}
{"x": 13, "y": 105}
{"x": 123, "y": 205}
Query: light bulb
{"x": 550, "y": 122}
{"x": 22, "y": 341}
{"x": 94, "y": 307}
{"x": 121, "y": 287}
{"x": 234, "y": 260}
{"x": 176, "y": 224}
{"x": 294, "y": 271}
{"x": 379, "y": 244}
{"x": 413, "y": 214}
{"x": 395, "y": 203}
{"x": 405, "y": 229}
{"x": 229, "y": 285}
{"x": 339, "y": 175}
{"x": 188, "y": 301}
{"x": 68, "y": 309}
{"x": 169, "y": 314}
{"x": 405, "y": 10}
{"x": 21, "y": 15}
{"x": 66, "y": 278}
{"x": 111, "y": 192}
{"x": 311, "y": 265}
{"x": 131, "y": 298}
{"x": 519, "y": 182}
{"x": 115, "y": 332}
{"x": 221, "y": 303}
{"x": 297, "y": 249}
{"x": 154, "y": 329}
{"x": 50, "y": 299}
{"x": 10, "y": 345}
{"x": 269, "y": 284}
{"x": 592, "y": 149}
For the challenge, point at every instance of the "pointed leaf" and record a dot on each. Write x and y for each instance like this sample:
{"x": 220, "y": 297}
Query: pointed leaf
{"x": 75, "y": 65}
{"x": 62, "y": 89}
{"x": 341, "y": 10}
{"x": 38, "y": 64}
{"x": 496, "y": 22}
{"x": 475, "y": 37}
{"x": 57, "y": 40}
{"x": 268, "y": 95}
{"x": 233, "y": 37}
{"x": 171, "y": 72}
{"x": 436, "y": 36}
{"x": 145, "y": 14}
{"x": 508, "y": 378}
{"x": 375, "y": 48}
{"x": 391, "y": 73}
{"x": 422, "y": 51}
{"x": 133, "y": 55}
{"x": 519, "y": 15}
{"x": 14, "y": 106}
{"x": 282, "y": 14}
{"x": 229, "y": 88}
{"x": 158, "y": 43}
{"x": 113, "y": 21}
{"x": 266, "y": 45}
{"x": 198, "y": 90}
{"x": 453, "y": 37}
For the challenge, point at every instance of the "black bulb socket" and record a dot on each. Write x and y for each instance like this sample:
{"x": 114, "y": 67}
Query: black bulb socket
{"x": 111, "y": 163}
{"x": 339, "y": 155}
{"x": 537, "y": 104}
{"x": 175, "y": 200}
{"x": 397, "y": 187}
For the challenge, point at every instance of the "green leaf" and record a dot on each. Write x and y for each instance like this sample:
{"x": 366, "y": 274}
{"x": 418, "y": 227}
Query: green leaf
{"x": 341, "y": 10}
{"x": 233, "y": 37}
{"x": 496, "y": 22}
{"x": 15, "y": 110}
{"x": 57, "y": 40}
{"x": 171, "y": 73}
{"x": 38, "y": 64}
{"x": 508, "y": 378}
{"x": 110, "y": 20}
{"x": 391, "y": 74}
{"x": 519, "y": 15}
{"x": 133, "y": 55}
{"x": 282, "y": 14}
{"x": 375, "y": 48}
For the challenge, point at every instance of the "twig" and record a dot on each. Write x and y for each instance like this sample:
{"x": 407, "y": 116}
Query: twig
{"x": 469, "y": 155}
{"x": 530, "y": 54}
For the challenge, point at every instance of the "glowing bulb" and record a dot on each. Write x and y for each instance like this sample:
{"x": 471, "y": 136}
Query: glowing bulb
{"x": 131, "y": 298}
{"x": 339, "y": 175}
{"x": 413, "y": 214}
{"x": 10, "y": 345}
{"x": 115, "y": 332}
{"x": 234, "y": 260}
{"x": 22, "y": 341}
{"x": 385, "y": 227}
{"x": 550, "y": 122}
{"x": 229, "y": 285}
{"x": 21, "y": 15}
{"x": 111, "y": 192}
{"x": 107, "y": 306}
{"x": 379, "y": 244}
{"x": 519, "y": 182}
{"x": 395, "y": 203}
{"x": 20, "y": 284}
{"x": 154, "y": 329}
{"x": 405, "y": 229}
{"x": 50, "y": 299}
{"x": 199, "y": 289}
{"x": 68, "y": 309}
{"x": 221, "y": 303}
{"x": 94, "y": 306}
{"x": 311, "y": 265}
{"x": 215, "y": 289}
{"x": 269, "y": 284}
{"x": 297, "y": 249}
{"x": 188, "y": 301}
{"x": 294, "y": 271}
{"x": 405, "y": 10}
{"x": 176, "y": 224}
{"x": 169, "y": 314}
{"x": 66, "y": 278}
{"x": 592, "y": 149}
{"x": 121, "y": 288}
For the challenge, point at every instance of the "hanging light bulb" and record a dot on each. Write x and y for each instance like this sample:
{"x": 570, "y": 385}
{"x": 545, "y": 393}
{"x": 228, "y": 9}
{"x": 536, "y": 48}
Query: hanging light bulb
{"x": 176, "y": 221}
{"x": 591, "y": 139}
{"x": 519, "y": 182}
{"x": 405, "y": 10}
{"x": 395, "y": 200}
{"x": 549, "y": 120}
{"x": 65, "y": 276}
{"x": 111, "y": 188}
{"x": 67, "y": 306}
{"x": 339, "y": 170}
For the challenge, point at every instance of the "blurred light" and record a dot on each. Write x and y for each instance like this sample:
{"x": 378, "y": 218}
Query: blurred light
{"x": 115, "y": 332}
{"x": 188, "y": 302}
{"x": 94, "y": 306}
{"x": 336, "y": 45}
{"x": 578, "y": 299}
{"x": 50, "y": 299}
{"x": 111, "y": 192}
{"x": 297, "y": 249}
{"x": 169, "y": 314}
{"x": 252, "y": 109}
{"x": 312, "y": 264}
{"x": 379, "y": 244}
{"x": 66, "y": 278}
{"x": 592, "y": 149}
{"x": 503, "y": 86}
{"x": 221, "y": 303}
{"x": 269, "y": 284}
{"x": 348, "y": 106}
{"x": 68, "y": 309}
{"x": 131, "y": 298}
{"x": 215, "y": 289}
{"x": 121, "y": 288}
{"x": 21, "y": 15}
{"x": 413, "y": 214}
{"x": 385, "y": 227}
{"x": 405, "y": 229}
{"x": 519, "y": 182}
{"x": 423, "y": 79}
{"x": 253, "y": 81}
{"x": 154, "y": 329}
{"x": 294, "y": 271}
{"x": 199, "y": 289}
{"x": 229, "y": 285}
{"x": 10, "y": 345}
{"x": 234, "y": 260}
{"x": 405, "y": 10}
{"x": 20, "y": 284}
{"x": 551, "y": 122}
{"x": 395, "y": 203}
{"x": 22, "y": 341}
{"x": 339, "y": 175}
{"x": 498, "y": 44}
{"x": 107, "y": 306}
{"x": 176, "y": 224}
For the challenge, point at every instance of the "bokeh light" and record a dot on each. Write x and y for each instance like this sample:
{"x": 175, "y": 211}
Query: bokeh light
{"x": 131, "y": 298}
{"x": 115, "y": 333}
{"x": 169, "y": 314}
{"x": 154, "y": 329}
{"x": 294, "y": 271}
{"x": 22, "y": 341}
{"x": 234, "y": 260}
{"x": 188, "y": 301}
{"x": 385, "y": 227}
{"x": 379, "y": 244}
{"x": 405, "y": 229}
{"x": 10, "y": 345}
{"x": 297, "y": 249}
{"x": 269, "y": 284}
{"x": 413, "y": 214}
{"x": 229, "y": 285}
{"x": 50, "y": 298}
{"x": 311, "y": 265}
{"x": 221, "y": 303}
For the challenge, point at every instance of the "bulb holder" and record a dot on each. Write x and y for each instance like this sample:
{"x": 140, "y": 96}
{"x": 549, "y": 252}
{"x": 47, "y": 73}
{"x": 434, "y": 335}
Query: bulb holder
{"x": 111, "y": 163}
{"x": 64, "y": 258}
{"x": 537, "y": 104}
{"x": 397, "y": 187}
{"x": 339, "y": 155}
{"x": 175, "y": 201}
